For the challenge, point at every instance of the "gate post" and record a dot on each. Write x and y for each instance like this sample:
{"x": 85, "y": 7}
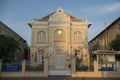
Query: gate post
{"x": 0, "y": 67}
{"x": 118, "y": 66}
{"x": 23, "y": 68}
{"x": 95, "y": 66}
{"x": 73, "y": 66}
{"x": 45, "y": 67}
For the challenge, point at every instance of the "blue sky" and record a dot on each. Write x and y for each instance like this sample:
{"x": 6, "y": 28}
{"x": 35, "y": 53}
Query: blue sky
{"x": 16, "y": 14}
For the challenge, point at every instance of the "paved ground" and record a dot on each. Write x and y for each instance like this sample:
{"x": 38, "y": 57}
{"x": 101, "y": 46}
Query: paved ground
{"x": 58, "y": 78}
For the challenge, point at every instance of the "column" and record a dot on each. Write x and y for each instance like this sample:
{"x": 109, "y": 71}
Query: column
{"x": 118, "y": 66}
{"x": 95, "y": 66}
{"x": 45, "y": 67}
{"x": 0, "y": 66}
{"x": 23, "y": 67}
{"x": 73, "y": 65}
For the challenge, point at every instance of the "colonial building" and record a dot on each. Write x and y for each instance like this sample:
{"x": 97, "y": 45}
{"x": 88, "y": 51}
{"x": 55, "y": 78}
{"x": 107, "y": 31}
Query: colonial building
{"x": 59, "y": 37}
{"x": 102, "y": 40}
{"x": 5, "y": 30}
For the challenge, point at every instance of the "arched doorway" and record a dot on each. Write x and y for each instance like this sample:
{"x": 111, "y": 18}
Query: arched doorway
{"x": 59, "y": 60}
{"x": 59, "y": 64}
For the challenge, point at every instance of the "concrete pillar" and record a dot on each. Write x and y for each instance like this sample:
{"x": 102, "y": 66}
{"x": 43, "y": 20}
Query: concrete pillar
{"x": 0, "y": 66}
{"x": 73, "y": 65}
{"x": 46, "y": 67}
{"x": 95, "y": 66}
{"x": 23, "y": 67}
{"x": 118, "y": 66}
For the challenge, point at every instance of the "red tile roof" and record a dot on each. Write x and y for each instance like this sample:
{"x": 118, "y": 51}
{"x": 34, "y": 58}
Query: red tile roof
{"x": 72, "y": 18}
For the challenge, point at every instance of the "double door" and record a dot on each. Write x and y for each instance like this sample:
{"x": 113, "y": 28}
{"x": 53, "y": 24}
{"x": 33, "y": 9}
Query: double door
{"x": 59, "y": 61}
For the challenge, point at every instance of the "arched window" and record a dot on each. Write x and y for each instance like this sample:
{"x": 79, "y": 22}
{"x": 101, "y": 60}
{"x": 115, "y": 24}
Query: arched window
{"x": 59, "y": 35}
{"x": 77, "y": 37}
{"x": 41, "y": 36}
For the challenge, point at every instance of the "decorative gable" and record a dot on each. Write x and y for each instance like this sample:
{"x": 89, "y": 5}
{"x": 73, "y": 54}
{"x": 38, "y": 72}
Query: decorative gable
{"x": 59, "y": 18}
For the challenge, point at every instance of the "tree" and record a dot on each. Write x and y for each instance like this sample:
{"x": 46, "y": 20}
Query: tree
{"x": 8, "y": 48}
{"x": 115, "y": 44}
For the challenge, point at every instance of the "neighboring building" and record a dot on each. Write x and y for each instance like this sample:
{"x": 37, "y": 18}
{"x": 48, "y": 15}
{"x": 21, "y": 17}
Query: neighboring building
{"x": 102, "y": 40}
{"x": 58, "y": 37}
{"x": 5, "y": 30}
{"x": 106, "y": 60}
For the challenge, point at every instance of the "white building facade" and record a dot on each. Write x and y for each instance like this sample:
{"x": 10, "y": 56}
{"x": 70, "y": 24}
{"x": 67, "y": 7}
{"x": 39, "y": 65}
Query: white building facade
{"x": 59, "y": 37}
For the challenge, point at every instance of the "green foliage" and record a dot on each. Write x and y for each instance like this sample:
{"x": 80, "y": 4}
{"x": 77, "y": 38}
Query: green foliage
{"x": 79, "y": 65}
{"x": 78, "y": 60}
{"x": 8, "y": 48}
{"x": 115, "y": 44}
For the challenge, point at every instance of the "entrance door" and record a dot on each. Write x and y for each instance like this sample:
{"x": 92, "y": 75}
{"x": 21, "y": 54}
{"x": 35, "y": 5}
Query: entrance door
{"x": 59, "y": 65}
{"x": 59, "y": 60}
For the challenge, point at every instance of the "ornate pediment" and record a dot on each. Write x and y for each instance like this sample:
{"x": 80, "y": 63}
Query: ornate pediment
{"x": 59, "y": 17}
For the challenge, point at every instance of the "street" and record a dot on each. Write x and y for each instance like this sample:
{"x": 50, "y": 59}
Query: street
{"x": 57, "y": 78}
